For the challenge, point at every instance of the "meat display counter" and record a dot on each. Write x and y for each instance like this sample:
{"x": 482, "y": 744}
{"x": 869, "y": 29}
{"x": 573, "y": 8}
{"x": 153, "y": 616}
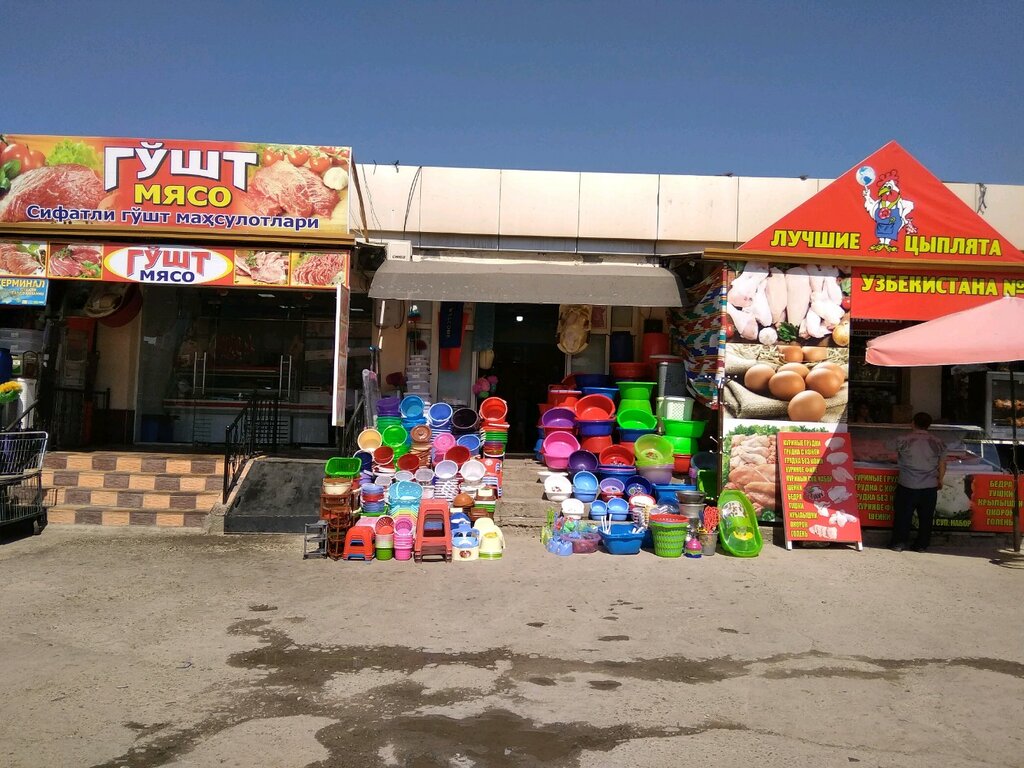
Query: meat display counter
{"x": 975, "y": 486}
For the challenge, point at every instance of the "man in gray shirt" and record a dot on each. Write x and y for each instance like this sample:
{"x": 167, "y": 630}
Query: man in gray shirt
{"x": 922, "y": 463}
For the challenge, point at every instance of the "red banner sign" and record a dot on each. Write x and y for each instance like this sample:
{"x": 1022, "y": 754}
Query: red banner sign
{"x": 925, "y": 295}
{"x": 819, "y": 496}
{"x": 175, "y": 265}
{"x": 209, "y": 189}
{"x": 888, "y": 209}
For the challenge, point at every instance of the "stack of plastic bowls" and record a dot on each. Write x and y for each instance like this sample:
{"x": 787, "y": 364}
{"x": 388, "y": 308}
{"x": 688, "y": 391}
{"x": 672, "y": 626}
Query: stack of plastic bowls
{"x": 372, "y": 499}
{"x": 446, "y": 480}
{"x": 388, "y": 413}
{"x": 558, "y": 420}
{"x": 654, "y": 458}
{"x": 413, "y": 411}
{"x": 494, "y": 427}
{"x": 584, "y": 487}
{"x": 420, "y": 435}
{"x": 439, "y": 419}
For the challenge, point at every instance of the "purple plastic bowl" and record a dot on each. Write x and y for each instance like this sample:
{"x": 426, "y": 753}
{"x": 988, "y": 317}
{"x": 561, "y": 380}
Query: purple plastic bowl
{"x": 657, "y": 474}
{"x": 559, "y": 417}
{"x": 582, "y": 461}
{"x": 613, "y": 484}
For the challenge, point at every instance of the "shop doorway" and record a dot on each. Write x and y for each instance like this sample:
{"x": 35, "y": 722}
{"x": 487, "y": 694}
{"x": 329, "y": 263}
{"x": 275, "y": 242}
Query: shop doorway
{"x": 526, "y": 361}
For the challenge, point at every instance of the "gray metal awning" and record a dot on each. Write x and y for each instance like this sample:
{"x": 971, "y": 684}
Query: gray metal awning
{"x": 527, "y": 283}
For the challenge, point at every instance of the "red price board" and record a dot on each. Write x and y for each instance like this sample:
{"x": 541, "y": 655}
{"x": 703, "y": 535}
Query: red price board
{"x": 819, "y": 493}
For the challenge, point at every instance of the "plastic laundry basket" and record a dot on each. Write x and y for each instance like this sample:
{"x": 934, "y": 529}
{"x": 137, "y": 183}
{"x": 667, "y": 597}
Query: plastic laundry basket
{"x": 669, "y": 538}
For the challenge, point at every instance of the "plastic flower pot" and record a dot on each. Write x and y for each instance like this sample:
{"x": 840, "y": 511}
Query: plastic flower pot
{"x": 636, "y": 390}
{"x": 582, "y": 461}
{"x": 692, "y": 429}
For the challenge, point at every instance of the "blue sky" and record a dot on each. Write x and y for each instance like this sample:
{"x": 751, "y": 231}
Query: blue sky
{"x": 752, "y": 88}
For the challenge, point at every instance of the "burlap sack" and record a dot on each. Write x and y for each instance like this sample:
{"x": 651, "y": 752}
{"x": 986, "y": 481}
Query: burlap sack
{"x": 741, "y": 403}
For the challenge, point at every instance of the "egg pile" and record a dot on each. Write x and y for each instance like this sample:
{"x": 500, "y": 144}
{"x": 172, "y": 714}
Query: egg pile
{"x": 806, "y": 380}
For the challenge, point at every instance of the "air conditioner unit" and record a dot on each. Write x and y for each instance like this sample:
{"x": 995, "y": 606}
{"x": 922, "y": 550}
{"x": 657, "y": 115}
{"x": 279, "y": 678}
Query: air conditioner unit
{"x": 399, "y": 250}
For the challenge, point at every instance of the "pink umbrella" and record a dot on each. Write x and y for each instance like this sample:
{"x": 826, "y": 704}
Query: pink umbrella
{"x": 990, "y": 333}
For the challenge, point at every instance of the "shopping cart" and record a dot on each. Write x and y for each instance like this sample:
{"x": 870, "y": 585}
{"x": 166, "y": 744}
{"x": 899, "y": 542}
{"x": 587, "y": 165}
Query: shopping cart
{"x": 22, "y": 496}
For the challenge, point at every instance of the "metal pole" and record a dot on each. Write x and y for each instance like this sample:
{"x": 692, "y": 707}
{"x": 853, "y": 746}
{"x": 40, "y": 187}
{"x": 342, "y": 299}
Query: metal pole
{"x": 1013, "y": 464}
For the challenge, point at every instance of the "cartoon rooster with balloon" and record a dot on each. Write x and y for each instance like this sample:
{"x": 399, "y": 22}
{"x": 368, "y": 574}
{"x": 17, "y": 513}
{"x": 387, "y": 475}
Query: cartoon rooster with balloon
{"x": 891, "y": 211}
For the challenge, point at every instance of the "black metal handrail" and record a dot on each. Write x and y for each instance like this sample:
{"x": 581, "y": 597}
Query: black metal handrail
{"x": 16, "y": 425}
{"x": 252, "y": 433}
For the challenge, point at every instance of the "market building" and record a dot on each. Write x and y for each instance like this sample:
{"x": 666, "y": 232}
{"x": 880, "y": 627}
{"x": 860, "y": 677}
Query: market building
{"x": 189, "y": 285}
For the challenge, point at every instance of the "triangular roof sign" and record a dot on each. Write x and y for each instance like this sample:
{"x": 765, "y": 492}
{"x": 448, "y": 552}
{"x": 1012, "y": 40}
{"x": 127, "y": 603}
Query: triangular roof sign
{"x": 887, "y": 208}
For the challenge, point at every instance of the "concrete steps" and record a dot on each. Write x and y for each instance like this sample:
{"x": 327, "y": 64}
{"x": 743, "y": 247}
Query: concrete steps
{"x": 522, "y": 504}
{"x": 152, "y": 489}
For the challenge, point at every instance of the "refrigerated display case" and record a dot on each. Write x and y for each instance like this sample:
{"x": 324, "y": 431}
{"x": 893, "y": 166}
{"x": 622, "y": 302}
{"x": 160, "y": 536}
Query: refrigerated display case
{"x": 999, "y": 407}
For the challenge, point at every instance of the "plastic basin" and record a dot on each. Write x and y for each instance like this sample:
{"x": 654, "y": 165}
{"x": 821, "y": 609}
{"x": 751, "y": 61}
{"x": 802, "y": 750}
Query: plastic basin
{"x": 635, "y": 419}
{"x": 636, "y": 405}
{"x": 560, "y": 444}
{"x": 617, "y": 455}
{"x": 652, "y": 449}
{"x": 657, "y": 473}
{"x": 439, "y": 414}
{"x": 636, "y": 390}
{"x": 395, "y": 436}
{"x": 459, "y": 454}
{"x": 598, "y": 510}
{"x": 559, "y": 417}
{"x": 630, "y": 436}
{"x": 621, "y": 540}
{"x": 629, "y": 370}
{"x": 584, "y": 482}
{"x": 638, "y": 486}
{"x": 563, "y": 397}
{"x": 593, "y": 407}
{"x": 582, "y": 461}
{"x": 369, "y": 439}
{"x": 691, "y": 429}
{"x": 411, "y": 407}
{"x": 596, "y": 443}
{"x": 595, "y": 428}
{"x": 685, "y": 445}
